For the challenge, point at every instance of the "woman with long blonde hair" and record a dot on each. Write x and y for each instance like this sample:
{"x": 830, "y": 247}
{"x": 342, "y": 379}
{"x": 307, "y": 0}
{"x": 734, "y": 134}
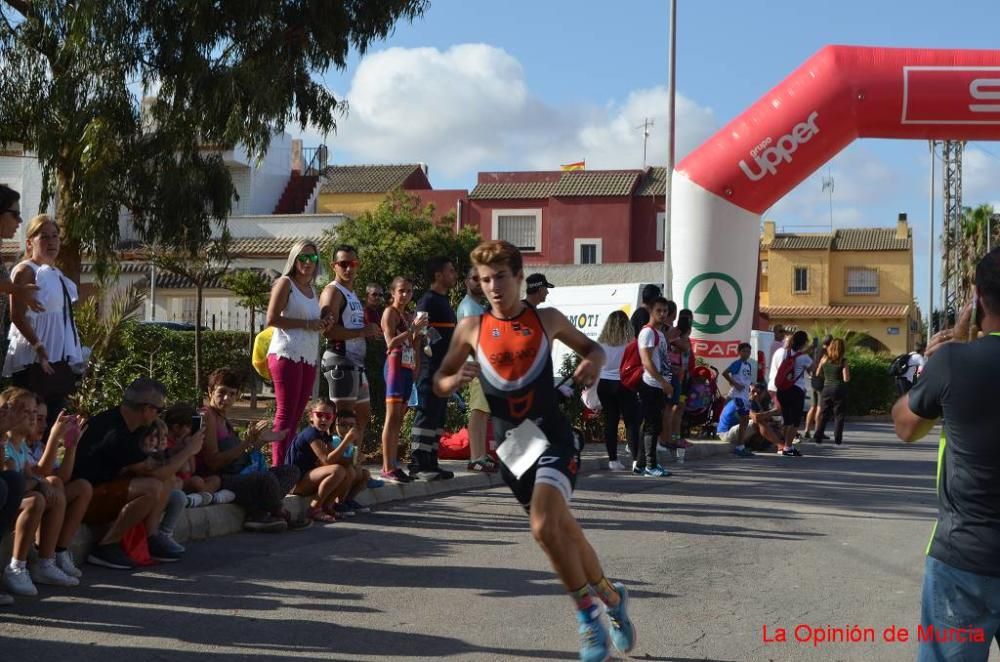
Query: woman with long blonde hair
{"x": 836, "y": 374}
{"x": 617, "y": 401}
{"x": 293, "y": 311}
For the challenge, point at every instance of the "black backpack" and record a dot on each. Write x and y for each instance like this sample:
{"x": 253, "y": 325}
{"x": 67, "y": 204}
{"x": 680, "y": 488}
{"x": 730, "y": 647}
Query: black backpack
{"x": 899, "y": 365}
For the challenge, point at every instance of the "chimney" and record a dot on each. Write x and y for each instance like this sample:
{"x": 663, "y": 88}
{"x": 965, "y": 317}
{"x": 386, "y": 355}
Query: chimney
{"x": 768, "y": 232}
{"x": 902, "y": 227}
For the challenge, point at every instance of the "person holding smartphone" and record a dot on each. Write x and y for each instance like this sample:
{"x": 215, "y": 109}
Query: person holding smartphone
{"x": 958, "y": 390}
{"x": 182, "y": 421}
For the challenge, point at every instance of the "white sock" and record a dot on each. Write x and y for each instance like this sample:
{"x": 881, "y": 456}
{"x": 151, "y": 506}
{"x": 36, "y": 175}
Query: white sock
{"x": 18, "y": 565}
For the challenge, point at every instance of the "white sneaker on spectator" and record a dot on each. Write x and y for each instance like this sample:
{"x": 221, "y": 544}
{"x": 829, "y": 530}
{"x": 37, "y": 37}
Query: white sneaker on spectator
{"x": 64, "y": 561}
{"x": 47, "y": 573}
{"x": 206, "y": 498}
{"x": 18, "y": 581}
{"x": 194, "y": 500}
{"x": 6, "y": 599}
{"x": 224, "y": 496}
{"x": 615, "y": 465}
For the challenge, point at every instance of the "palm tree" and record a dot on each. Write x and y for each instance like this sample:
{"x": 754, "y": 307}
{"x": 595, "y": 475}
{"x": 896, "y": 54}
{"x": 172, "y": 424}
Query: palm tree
{"x": 974, "y": 228}
{"x": 853, "y": 340}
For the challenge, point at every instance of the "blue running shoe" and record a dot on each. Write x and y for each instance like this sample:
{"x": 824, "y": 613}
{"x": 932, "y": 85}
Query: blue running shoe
{"x": 593, "y": 636}
{"x": 656, "y": 472}
{"x": 622, "y": 631}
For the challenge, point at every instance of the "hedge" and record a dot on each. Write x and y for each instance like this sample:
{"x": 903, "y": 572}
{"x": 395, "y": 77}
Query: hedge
{"x": 168, "y": 356}
{"x": 871, "y": 390}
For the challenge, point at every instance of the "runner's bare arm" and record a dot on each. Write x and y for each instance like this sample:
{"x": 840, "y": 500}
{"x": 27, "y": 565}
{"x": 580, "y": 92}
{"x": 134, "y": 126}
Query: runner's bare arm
{"x": 592, "y": 356}
{"x": 456, "y": 370}
{"x": 331, "y": 302}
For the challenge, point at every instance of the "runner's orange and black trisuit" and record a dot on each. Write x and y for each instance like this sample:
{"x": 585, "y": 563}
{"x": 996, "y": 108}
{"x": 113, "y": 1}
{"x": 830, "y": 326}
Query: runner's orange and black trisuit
{"x": 515, "y": 361}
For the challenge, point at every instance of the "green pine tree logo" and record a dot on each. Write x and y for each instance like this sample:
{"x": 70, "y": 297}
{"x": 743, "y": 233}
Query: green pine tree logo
{"x": 714, "y": 306}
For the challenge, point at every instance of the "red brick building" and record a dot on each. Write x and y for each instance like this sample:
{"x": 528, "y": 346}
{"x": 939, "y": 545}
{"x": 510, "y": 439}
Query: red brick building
{"x": 573, "y": 217}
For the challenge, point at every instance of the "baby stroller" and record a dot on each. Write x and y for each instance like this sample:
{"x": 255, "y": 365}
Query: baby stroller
{"x": 703, "y": 405}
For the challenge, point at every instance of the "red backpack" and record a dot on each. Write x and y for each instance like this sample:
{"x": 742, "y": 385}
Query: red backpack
{"x": 786, "y": 377}
{"x": 630, "y": 371}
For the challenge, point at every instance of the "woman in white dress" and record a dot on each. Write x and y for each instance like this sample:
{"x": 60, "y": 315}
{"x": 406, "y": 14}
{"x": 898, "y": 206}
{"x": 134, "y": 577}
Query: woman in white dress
{"x": 44, "y": 355}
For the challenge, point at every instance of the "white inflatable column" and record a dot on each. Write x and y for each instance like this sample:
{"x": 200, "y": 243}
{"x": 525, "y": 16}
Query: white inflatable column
{"x": 715, "y": 248}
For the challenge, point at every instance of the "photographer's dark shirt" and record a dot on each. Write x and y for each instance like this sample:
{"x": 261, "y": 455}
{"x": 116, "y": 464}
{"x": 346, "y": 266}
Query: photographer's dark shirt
{"x": 959, "y": 384}
{"x": 107, "y": 447}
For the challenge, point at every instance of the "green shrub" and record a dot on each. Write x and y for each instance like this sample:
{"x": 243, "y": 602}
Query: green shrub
{"x": 166, "y": 355}
{"x": 871, "y": 390}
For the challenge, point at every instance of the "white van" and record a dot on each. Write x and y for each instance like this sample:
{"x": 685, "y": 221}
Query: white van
{"x": 588, "y": 307}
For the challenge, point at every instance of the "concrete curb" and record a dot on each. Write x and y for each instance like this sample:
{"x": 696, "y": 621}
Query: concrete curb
{"x": 224, "y": 519}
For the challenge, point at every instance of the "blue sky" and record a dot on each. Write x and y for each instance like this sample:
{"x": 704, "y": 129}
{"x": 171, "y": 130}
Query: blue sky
{"x": 529, "y": 85}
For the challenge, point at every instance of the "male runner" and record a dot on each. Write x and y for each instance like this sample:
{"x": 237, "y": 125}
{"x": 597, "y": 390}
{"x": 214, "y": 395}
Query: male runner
{"x": 344, "y": 358}
{"x": 511, "y": 344}
{"x": 479, "y": 409}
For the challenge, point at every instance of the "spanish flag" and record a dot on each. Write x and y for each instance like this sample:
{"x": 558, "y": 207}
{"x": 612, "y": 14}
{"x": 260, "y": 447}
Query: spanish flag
{"x": 579, "y": 165}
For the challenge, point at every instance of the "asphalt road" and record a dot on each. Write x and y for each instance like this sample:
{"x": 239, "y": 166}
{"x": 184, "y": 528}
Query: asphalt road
{"x": 712, "y": 555}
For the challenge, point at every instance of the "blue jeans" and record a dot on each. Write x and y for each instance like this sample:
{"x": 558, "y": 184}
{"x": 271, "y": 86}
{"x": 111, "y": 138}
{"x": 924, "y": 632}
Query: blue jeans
{"x": 954, "y": 598}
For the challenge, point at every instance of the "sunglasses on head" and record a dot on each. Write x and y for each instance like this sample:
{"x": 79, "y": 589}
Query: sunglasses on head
{"x": 323, "y": 415}
{"x": 346, "y": 264}
{"x": 304, "y": 258}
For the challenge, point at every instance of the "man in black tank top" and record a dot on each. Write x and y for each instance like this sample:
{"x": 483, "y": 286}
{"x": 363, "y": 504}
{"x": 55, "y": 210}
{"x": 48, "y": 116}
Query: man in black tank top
{"x": 509, "y": 349}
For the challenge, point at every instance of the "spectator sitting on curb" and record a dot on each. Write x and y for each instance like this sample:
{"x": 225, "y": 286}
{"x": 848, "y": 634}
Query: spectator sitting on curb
{"x": 323, "y": 478}
{"x": 200, "y": 490}
{"x": 129, "y": 488}
{"x": 347, "y": 429}
{"x": 240, "y": 463}
{"x": 154, "y": 444}
{"x": 45, "y": 456}
{"x": 42, "y": 507}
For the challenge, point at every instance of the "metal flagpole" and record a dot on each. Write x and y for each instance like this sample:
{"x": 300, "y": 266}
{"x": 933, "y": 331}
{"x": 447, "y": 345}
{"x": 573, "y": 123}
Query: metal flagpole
{"x": 668, "y": 275}
{"x": 930, "y": 257}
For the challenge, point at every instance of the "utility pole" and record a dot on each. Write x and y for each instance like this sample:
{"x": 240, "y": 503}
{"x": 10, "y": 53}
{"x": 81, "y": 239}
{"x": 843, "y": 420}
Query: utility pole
{"x": 647, "y": 124}
{"x": 930, "y": 249}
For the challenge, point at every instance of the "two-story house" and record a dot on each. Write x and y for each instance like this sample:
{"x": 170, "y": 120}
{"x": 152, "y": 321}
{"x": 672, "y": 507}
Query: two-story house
{"x": 860, "y": 278}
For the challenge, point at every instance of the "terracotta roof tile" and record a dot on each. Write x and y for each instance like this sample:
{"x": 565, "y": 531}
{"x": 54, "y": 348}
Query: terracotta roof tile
{"x": 365, "y": 178}
{"x": 867, "y": 311}
{"x": 848, "y": 239}
{"x": 513, "y": 190}
{"x": 604, "y": 183}
{"x": 801, "y": 242}
{"x": 871, "y": 239}
{"x": 653, "y": 183}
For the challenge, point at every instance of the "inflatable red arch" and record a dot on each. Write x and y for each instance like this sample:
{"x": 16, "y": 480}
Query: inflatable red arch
{"x": 841, "y": 93}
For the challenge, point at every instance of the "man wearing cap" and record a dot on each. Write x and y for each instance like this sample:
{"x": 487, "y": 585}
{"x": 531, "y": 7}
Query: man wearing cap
{"x": 538, "y": 289}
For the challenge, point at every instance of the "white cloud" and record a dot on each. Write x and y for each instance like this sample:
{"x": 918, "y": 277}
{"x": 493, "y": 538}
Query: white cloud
{"x": 862, "y": 181}
{"x": 470, "y": 107}
{"x": 980, "y": 177}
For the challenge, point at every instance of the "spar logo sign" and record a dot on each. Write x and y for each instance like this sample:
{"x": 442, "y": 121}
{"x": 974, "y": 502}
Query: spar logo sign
{"x": 716, "y": 300}
{"x": 767, "y": 156}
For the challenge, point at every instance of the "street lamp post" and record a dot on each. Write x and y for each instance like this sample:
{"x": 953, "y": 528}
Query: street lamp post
{"x": 668, "y": 275}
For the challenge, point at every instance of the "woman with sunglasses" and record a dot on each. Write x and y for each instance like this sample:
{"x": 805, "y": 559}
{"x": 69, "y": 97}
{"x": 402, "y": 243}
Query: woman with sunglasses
{"x": 293, "y": 311}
